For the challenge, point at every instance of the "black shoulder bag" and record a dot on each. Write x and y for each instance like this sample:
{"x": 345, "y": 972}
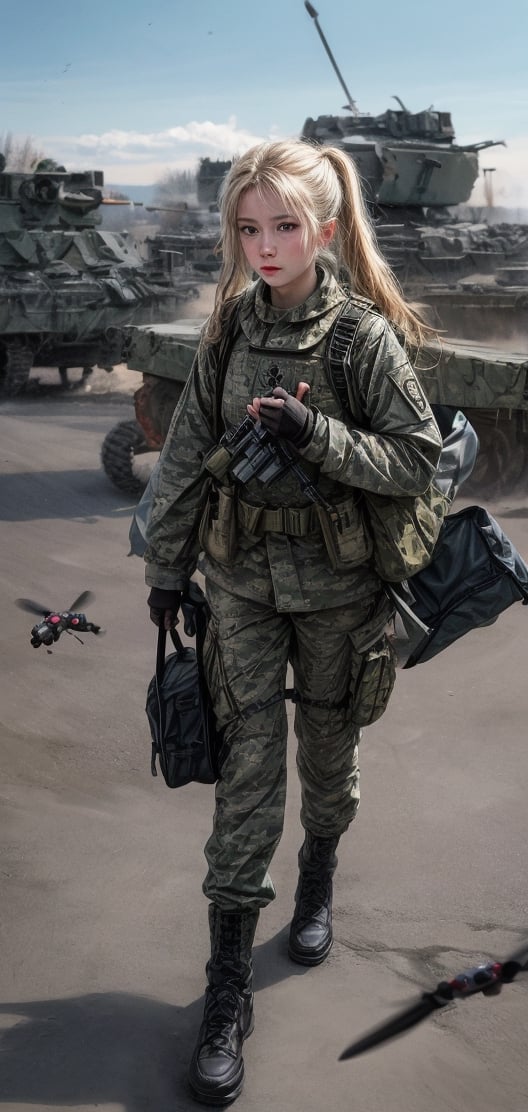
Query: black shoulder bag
{"x": 185, "y": 740}
{"x": 475, "y": 574}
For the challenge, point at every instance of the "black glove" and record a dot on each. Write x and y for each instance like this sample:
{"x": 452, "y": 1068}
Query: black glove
{"x": 164, "y": 606}
{"x": 189, "y": 614}
{"x": 292, "y": 421}
{"x": 195, "y": 608}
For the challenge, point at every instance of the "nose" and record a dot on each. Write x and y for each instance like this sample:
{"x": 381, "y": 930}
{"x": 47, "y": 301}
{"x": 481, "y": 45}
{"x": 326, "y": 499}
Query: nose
{"x": 267, "y": 248}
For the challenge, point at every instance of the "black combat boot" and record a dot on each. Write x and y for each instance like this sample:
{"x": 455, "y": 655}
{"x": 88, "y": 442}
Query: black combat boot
{"x": 311, "y": 929}
{"x": 216, "y": 1073}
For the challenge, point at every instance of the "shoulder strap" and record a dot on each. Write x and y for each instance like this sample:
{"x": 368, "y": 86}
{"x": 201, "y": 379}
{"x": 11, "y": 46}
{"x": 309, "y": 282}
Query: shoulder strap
{"x": 341, "y": 339}
{"x": 221, "y": 355}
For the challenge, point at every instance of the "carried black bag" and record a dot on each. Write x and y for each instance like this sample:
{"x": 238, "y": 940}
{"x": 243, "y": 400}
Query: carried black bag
{"x": 184, "y": 735}
{"x": 475, "y": 574}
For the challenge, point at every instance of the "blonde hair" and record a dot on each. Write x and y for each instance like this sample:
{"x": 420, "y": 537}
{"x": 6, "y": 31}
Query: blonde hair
{"x": 316, "y": 184}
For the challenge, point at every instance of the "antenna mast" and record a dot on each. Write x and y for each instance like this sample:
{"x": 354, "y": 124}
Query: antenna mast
{"x": 351, "y": 105}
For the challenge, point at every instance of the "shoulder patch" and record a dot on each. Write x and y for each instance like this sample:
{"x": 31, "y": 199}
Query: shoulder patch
{"x": 415, "y": 393}
{"x": 408, "y": 386}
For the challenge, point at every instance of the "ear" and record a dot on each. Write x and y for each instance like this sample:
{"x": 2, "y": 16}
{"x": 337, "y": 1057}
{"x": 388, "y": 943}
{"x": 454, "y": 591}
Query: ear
{"x": 326, "y": 233}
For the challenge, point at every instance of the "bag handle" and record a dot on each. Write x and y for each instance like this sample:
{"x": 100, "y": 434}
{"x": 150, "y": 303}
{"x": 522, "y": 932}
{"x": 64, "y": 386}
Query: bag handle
{"x": 201, "y": 620}
{"x": 161, "y": 649}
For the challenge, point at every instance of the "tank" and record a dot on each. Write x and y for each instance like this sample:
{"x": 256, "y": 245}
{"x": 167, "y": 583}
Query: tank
{"x": 194, "y": 243}
{"x": 488, "y": 384}
{"x": 177, "y": 252}
{"x": 67, "y": 286}
{"x": 472, "y": 277}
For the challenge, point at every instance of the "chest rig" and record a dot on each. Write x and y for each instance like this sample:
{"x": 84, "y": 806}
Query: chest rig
{"x": 328, "y": 364}
{"x": 326, "y": 368}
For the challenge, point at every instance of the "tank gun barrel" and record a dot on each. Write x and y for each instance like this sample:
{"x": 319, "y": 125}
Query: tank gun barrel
{"x": 148, "y": 208}
{"x": 484, "y": 144}
{"x": 168, "y": 208}
{"x": 351, "y": 104}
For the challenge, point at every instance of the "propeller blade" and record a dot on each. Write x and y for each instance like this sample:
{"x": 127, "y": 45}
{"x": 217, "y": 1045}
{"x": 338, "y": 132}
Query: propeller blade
{"x": 446, "y": 991}
{"x": 84, "y": 599}
{"x": 515, "y": 963}
{"x": 412, "y": 1015}
{"x": 32, "y": 607}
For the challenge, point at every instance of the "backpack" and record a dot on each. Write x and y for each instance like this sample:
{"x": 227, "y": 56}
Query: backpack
{"x": 474, "y": 572}
{"x": 404, "y": 530}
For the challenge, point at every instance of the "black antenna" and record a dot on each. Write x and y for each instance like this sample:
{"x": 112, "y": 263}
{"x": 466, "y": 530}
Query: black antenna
{"x": 351, "y": 104}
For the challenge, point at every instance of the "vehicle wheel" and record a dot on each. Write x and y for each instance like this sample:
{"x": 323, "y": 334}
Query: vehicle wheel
{"x": 118, "y": 456}
{"x": 16, "y": 361}
{"x": 501, "y": 459}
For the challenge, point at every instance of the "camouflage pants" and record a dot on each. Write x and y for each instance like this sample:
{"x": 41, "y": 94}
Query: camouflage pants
{"x": 246, "y": 657}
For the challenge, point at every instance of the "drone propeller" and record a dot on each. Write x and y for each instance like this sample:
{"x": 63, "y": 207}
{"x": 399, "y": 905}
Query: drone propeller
{"x": 33, "y": 607}
{"x": 85, "y": 599}
{"x": 399, "y": 1023}
{"x": 487, "y": 978}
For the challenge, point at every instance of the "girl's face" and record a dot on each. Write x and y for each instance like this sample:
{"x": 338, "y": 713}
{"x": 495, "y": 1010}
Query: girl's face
{"x": 275, "y": 248}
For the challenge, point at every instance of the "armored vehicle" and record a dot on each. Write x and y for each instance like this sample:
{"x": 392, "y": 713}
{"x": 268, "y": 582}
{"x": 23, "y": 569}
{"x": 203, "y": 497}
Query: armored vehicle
{"x": 416, "y": 178}
{"x": 66, "y": 285}
{"x": 488, "y": 384}
{"x": 194, "y": 250}
{"x": 194, "y": 242}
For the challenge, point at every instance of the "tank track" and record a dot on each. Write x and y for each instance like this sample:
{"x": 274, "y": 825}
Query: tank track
{"x": 15, "y": 369}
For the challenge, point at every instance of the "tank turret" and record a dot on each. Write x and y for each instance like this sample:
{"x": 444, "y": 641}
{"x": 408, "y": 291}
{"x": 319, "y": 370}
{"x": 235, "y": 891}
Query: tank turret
{"x": 406, "y": 159}
{"x": 66, "y": 282}
{"x": 416, "y": 178}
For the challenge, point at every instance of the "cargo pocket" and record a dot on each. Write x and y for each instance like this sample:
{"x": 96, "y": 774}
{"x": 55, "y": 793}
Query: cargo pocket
{"x": 224, "y": 703}
{"x": 346, "y": 539}
{"x": 372, "y": 677}
{"x": 218, "y": 527}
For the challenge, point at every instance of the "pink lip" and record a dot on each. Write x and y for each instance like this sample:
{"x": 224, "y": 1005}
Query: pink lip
{"x": 269, "y": 269}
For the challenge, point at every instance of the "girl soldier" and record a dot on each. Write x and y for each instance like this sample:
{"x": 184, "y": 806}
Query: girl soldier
{"x": 283, "y": 584}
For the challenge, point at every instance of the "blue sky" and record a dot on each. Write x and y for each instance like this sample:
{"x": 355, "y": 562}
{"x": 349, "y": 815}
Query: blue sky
{"x": 137, "y": 89}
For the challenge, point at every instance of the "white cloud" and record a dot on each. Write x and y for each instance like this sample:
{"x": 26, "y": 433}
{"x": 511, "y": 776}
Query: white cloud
{"x": 142, "y": 157}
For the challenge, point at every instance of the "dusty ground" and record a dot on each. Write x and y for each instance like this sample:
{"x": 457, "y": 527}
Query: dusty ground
{"x": 103, "y": 925}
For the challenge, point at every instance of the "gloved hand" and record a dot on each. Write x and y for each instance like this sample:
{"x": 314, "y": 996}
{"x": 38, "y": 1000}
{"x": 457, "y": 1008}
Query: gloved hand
{"x": 188, "y": 607}
{"x": 164, "y": 606}
{"x": 285, "y": 416}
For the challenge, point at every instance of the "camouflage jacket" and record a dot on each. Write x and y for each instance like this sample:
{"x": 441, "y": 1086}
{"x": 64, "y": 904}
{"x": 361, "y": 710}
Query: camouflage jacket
{"x": 393, "y": 450}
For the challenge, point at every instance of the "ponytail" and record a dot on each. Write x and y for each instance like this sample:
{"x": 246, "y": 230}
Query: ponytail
{"x": 358, "y": 254}
{"x": 319, "y": 184}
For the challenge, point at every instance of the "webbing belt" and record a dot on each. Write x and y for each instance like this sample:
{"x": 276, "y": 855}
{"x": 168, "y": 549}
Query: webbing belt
{"x": 296, "y": 521}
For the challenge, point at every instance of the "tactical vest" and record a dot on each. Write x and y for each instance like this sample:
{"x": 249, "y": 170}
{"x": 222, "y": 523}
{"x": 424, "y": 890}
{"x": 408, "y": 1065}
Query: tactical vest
{"x": 341, "y": 523}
